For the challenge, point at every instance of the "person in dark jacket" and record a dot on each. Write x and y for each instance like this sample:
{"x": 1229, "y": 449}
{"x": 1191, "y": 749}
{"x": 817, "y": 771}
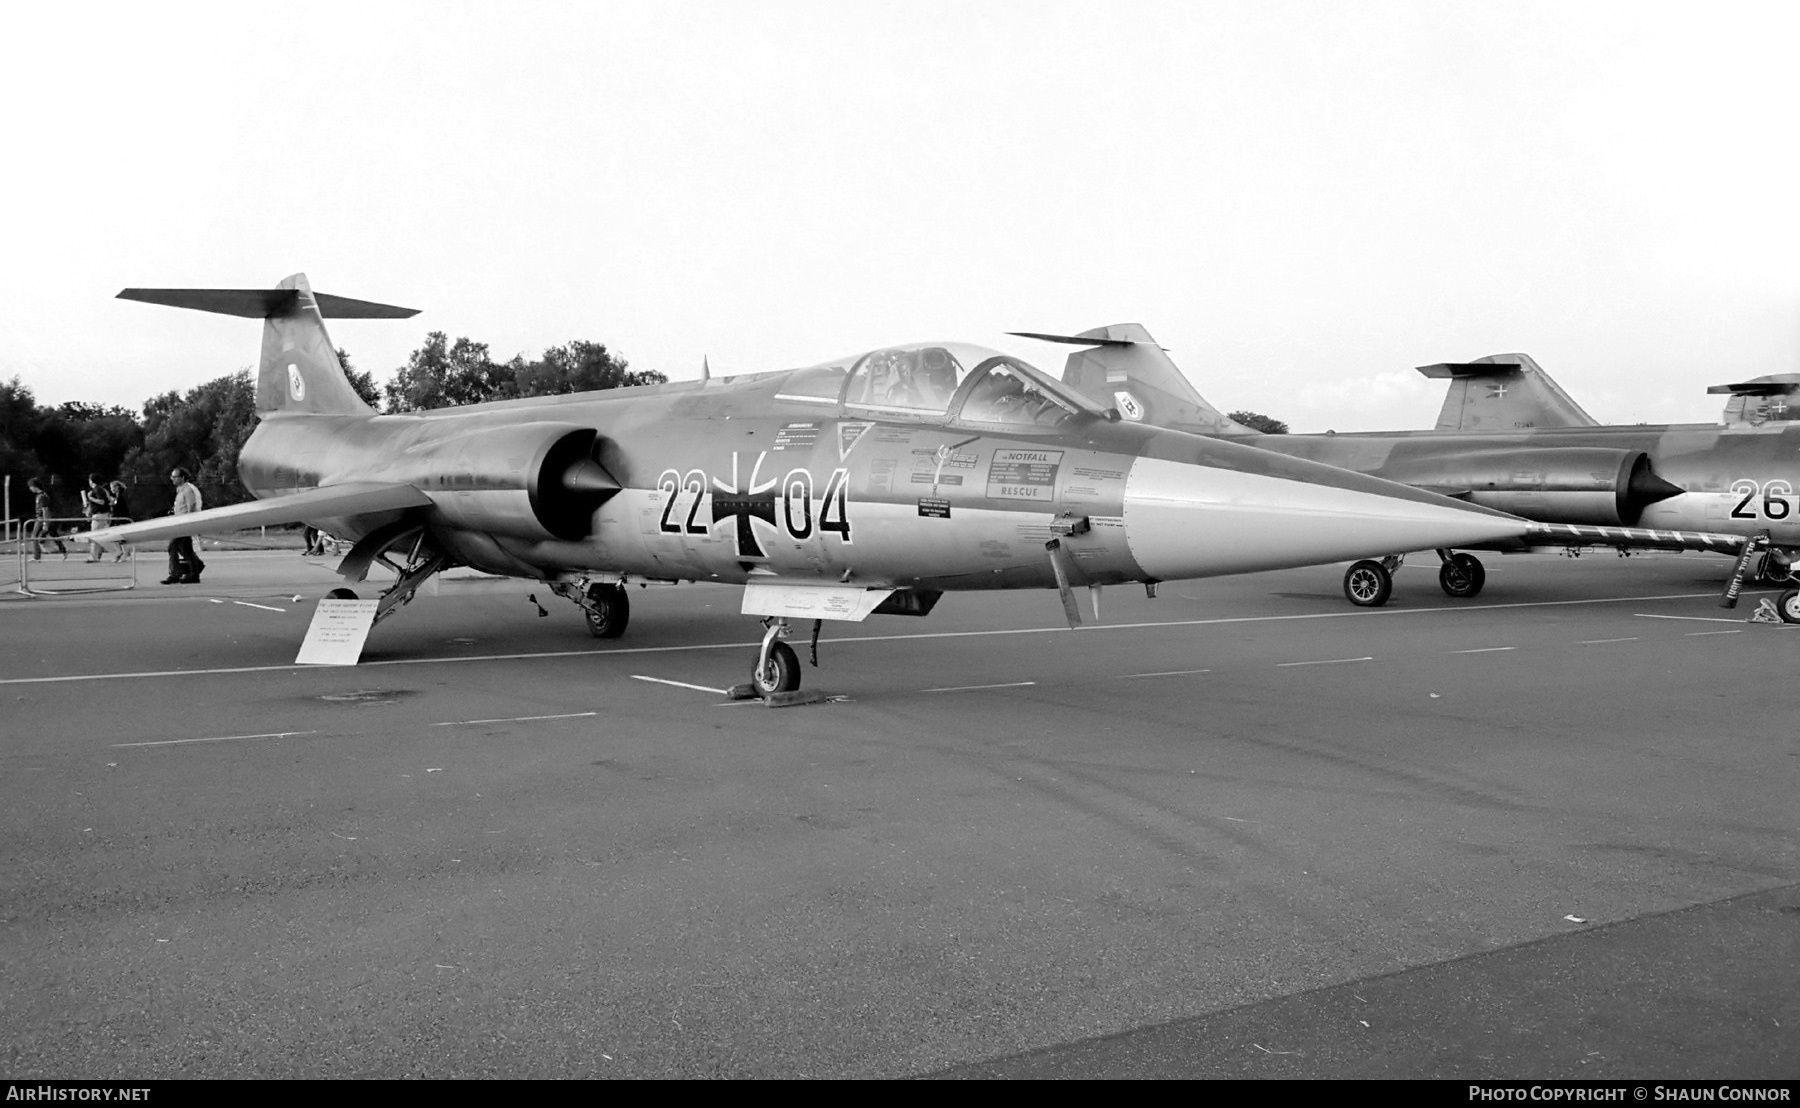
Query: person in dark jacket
{"x": 184, "y": 564}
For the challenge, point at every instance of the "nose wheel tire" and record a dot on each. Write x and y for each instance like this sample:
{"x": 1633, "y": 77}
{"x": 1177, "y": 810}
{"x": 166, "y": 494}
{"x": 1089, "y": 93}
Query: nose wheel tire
{"x": 341, "y": 594}
{"x": 780, "y": 674}
{"x": 1462, "y": 575}
{"x": 610, "y": 613}
{"x": 1368, "y": 584}
{"x": 1789, "y": 606}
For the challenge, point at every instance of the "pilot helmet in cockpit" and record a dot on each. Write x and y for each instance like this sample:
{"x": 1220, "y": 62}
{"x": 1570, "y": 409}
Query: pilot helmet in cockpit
{"x": 937, "y": 374}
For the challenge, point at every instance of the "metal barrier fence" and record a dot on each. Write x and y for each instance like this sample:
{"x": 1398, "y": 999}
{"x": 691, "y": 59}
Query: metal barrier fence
{"x": 114, "y": 570}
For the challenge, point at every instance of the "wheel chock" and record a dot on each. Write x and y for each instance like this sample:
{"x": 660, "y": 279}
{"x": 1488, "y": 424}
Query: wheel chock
{"x": 794, "y": 699}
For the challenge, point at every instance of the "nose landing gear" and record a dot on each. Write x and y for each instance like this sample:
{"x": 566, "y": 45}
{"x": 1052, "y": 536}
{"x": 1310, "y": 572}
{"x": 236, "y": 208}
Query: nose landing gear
{"x": 1369, "y": 583}
{"x": 777, "y": 666}
{"x": 1461, "y": 575}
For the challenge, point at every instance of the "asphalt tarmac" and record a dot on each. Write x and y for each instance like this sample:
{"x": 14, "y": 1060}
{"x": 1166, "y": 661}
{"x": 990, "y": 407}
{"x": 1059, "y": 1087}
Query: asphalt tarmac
{"x": 1239, "y": 830}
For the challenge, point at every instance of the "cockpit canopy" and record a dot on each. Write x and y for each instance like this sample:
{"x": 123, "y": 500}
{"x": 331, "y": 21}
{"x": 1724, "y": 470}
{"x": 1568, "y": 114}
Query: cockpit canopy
{"x": 935, "y": 381}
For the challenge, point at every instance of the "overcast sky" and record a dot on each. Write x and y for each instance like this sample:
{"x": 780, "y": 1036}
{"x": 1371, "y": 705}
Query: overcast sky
{"x": 1301, "y": 201}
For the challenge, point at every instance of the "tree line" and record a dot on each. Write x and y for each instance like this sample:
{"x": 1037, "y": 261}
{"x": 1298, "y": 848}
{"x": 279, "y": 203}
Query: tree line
{"x": 204, "y": 429}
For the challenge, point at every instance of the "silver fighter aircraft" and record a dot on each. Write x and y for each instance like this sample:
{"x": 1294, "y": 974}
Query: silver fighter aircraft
{"x": 867, "y": 484}
{"x": 1510, "y": 438}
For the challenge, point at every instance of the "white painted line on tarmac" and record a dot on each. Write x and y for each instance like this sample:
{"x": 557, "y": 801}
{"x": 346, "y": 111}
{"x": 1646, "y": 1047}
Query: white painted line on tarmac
{"x": 1485, "y": 650}
{"x": 679, "y": 684}
{"x": 264, "y": 607}
{"x": 1732, "y": 631}
{"x": 220, "y": 739}
{"x": 971, "y": 688}
{"x": 513, "y": 719}
{"x": 1165, "y": 673}
{"x": 1096, "y": 628}
{"x": 1697, "y": 619}
{"x": 1597, "y": 642}
{"x": 1325, "y": 662}
{"x": 754, "y": 644}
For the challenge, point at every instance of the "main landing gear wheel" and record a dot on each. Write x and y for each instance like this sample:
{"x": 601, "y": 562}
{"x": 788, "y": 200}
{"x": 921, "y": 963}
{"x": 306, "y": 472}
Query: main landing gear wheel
{"x": 341, "y": 594}
{"x": 1772, "y": 571}
{"x": 1462, "y": 575}
{"x": 1368, "y": 584}
{"x": 610, "y": 613}
{"x": 780, "y": 674}
{"x": 1789, "y": 606}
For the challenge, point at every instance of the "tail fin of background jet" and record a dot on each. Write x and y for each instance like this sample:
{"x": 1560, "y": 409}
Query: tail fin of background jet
{"x": 1503, "y": 392}
{"x": 1762, "y": 400}
{"x": 300, "y": 371}
{"x": 1125, "y": 369}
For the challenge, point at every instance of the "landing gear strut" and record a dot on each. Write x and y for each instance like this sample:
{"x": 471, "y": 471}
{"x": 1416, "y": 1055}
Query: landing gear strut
{"x": 422, "y": 559}
{"x": 1461, "y": 575}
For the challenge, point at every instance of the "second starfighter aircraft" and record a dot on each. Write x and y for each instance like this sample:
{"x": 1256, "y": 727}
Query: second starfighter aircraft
{"x": 1510, "y": 438}
{"x": 866, "y": 484}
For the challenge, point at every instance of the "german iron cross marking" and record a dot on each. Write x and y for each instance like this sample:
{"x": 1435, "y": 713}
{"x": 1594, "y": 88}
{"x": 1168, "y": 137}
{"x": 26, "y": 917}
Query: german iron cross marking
{"x": 746, "y": 500}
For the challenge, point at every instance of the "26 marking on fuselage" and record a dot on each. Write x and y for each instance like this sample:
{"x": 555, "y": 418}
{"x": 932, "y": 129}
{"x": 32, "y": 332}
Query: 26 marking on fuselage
{"x": 1767, "y": 500}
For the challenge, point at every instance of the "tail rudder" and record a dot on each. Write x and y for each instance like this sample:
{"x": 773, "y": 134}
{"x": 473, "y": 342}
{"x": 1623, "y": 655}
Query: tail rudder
{"x": 299, "y": 370}
{"x": 1503, "y": 392}
{"x": 1761, "y": 400}
{"x": 1123, "y": 368}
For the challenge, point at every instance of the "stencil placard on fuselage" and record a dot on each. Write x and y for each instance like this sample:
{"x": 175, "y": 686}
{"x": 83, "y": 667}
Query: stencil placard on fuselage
{"x": 849, "y": 434}
{"x": 796, "y": 436}
{"x": 928, "y": 467}
{"x": 1023, "y": 474}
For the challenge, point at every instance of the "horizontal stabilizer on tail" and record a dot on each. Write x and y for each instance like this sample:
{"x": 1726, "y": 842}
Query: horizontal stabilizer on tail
{"x": 1496, "y": 370}
{"x": 1762, "y": 399}
{"x": 299, "y": 370}
{"x": 1073, "y": 340}
{"x": 263, "y": 303}
{"x": 1123, "y": 368}
{"x": 330, "y": 502}
{"x": 1503, "y": 392}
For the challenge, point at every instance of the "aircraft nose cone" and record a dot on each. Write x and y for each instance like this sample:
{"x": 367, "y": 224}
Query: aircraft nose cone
{"x": 1188, "y": 520}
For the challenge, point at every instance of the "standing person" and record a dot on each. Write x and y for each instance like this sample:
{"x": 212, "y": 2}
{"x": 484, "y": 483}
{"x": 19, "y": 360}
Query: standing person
{"x": 121, "y": 510}
{"x": 184, "y": 564}
{"x": 97, "y": 502}
{"x": 39, "y": 528}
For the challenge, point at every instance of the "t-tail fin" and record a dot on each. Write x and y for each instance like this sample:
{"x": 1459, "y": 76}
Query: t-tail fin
{"x": 1503, "y": 392}
{"x": 1125, "y": 369}
{"x": 300, "y": 371}
{"x": 1762, "y": 400}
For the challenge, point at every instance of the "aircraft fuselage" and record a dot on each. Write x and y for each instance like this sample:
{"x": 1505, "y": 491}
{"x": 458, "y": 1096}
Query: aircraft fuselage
{"x": 725, "y": 481}
{"x": 1736, "y": 479}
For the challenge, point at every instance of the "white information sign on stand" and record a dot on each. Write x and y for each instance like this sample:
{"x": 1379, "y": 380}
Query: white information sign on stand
{"x": 338, "y": 630}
